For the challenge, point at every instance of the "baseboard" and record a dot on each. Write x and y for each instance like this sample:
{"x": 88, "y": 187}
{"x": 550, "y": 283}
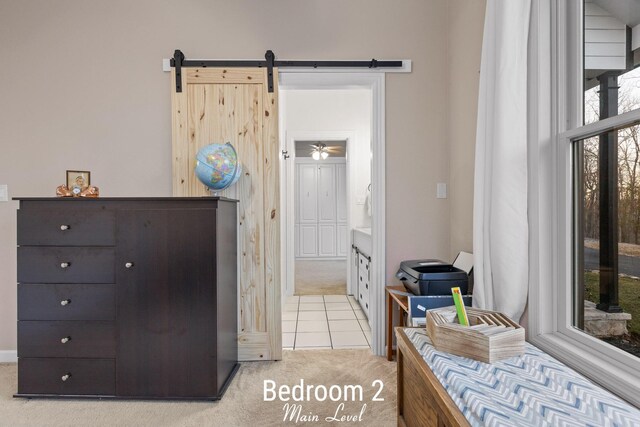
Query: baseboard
{"x": 8, "y": 356}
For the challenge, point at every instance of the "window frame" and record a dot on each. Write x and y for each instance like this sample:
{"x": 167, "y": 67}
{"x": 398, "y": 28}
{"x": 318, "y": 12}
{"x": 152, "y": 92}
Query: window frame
{"x": 555, "y": 80}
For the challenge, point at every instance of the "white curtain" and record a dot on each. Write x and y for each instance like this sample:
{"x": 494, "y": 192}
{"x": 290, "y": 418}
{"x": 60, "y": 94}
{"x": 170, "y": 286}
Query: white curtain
{"x": 500, "y": 226}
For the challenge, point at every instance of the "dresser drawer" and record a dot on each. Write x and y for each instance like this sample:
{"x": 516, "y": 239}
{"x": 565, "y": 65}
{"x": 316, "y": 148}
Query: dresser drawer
{"x": 65, "y": 265}
{"x": 66, "y": 227}
{"x": 66, "y": 339}
{"x": 67, "y": 376}
{"x": 66, "y": 302}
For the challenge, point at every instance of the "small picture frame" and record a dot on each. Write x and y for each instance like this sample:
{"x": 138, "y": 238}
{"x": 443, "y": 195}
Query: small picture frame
{"x": 78, "y": 181}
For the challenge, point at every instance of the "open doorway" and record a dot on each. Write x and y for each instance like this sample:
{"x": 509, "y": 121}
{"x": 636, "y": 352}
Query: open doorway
{"x": 327, "y": 138}
{"x": 374, "y": 82}
{"x": 321, "y": 236}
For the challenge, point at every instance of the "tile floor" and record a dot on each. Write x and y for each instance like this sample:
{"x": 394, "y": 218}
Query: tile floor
{"x": 324, "y": 321}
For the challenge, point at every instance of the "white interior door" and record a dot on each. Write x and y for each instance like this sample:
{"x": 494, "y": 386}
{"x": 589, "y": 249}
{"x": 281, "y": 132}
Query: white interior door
{"x": 342, "y": 211}
{"x": 296, "y": 230}
{"x": 307, "y": 193}
{"x": 341, "y": 193}
{"x": 327, "y": 193}
{"x": 307, "y": 207}
{"x": 342, "y": 236}
{"x": 321, "y": 229}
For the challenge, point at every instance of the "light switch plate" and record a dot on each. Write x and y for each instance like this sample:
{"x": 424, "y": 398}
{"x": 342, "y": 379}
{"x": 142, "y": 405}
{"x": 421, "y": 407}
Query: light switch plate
{"x": 4, "y": 193}
{"x": 441, "y": 190}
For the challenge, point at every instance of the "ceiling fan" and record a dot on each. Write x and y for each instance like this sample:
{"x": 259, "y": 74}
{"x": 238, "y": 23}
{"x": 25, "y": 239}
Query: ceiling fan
{"x": 321, "y": 151}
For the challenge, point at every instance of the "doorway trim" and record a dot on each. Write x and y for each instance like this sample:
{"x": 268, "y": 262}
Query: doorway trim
{"x": 375, "y": 81}
{"x": 288, "y": 192}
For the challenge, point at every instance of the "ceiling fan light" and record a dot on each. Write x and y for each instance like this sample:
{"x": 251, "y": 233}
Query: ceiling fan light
{"x": 315, "y": 155}
{"x": 324, "y": 155}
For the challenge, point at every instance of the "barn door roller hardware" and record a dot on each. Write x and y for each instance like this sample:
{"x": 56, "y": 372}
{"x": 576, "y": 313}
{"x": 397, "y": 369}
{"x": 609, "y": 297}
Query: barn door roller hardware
{"x": 178, "y": 62}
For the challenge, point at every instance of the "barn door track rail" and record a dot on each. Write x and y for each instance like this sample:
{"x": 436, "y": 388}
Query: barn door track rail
{"x": 179, "y": 61}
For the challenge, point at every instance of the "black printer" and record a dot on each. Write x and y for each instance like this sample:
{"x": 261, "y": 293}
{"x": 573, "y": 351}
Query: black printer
{"x": 432, "y": 277}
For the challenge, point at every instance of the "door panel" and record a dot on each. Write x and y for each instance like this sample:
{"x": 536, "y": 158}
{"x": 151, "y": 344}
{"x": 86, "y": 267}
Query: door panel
{"x": 166, "y": 303}
{"x": 326, "y": 193}
{"x": 343, "y": 240}
{"x": 308, "y": 240}
{"x": 307, "y": 193}
{"x": 327, "y": 240}
{"x": 341, "y": 191}
{"x": 234, "y": 105}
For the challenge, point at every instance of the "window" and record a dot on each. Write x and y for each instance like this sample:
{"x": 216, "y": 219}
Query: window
{"x": 627, "y": 84}
{"x": 585, "y": 292}
{"x": 606, "y": 230}
{"x": 606, "y": 181}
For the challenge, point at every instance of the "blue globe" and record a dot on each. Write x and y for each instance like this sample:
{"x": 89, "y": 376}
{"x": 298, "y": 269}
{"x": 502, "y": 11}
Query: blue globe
{"x": 217, "y": 166}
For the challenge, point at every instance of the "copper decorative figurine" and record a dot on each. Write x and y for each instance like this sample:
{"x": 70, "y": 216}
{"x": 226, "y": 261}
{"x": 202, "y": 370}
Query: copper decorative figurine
{"x": 90, "y": 192}
{"x": 63, "y": 191}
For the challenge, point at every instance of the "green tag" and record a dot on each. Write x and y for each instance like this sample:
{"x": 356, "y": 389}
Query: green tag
{"x": 460, "y": 308}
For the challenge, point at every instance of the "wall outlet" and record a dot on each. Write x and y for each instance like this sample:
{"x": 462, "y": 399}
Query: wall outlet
{"x": 4, "y": 193}
{"x": 441, "y": 190}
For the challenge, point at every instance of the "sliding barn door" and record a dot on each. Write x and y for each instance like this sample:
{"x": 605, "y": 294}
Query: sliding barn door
{"x": 234, "y": 105}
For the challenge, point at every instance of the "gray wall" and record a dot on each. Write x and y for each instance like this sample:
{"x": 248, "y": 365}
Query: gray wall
{"x": 81, "y": 87}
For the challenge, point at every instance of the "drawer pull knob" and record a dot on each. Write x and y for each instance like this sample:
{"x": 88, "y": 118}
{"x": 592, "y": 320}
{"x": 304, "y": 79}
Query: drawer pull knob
{"x": 64, "y": 227}
{"x": 129, "y": 265}
{"x": 65, "y": 377}
{"x": 65, "y": 302}
{"x": 65, "y": 340}
{"x": 65, "y": 264}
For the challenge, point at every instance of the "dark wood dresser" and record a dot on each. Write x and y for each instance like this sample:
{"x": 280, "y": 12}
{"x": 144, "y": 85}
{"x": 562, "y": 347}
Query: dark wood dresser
{"x": 127, "y": 297}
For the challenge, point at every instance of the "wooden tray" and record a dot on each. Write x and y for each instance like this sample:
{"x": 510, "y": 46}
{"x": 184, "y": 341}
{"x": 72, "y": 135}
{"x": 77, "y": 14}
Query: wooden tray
{"x": 492, "y": 336}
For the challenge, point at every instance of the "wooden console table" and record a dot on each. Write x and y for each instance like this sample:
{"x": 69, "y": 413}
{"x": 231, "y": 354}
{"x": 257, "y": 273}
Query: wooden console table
{"x": 403, "y": 307}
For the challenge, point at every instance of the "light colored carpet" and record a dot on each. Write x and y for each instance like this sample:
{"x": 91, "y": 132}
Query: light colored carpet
{"x": 242, "y": 405}
{"x": 321, "y": 277}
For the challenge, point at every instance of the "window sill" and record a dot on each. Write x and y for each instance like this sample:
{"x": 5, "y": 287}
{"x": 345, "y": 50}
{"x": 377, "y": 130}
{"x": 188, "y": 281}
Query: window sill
{"x": 621, "y": 379}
